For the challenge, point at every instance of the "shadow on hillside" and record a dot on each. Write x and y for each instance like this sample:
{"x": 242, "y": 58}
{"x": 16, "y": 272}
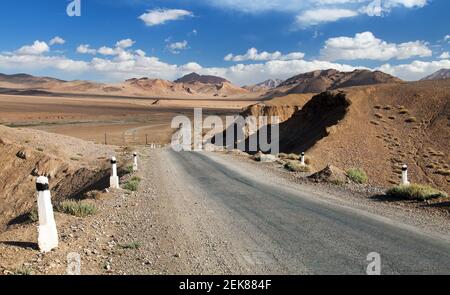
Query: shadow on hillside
{"x": 24, "y": 245}
{"x": 21, "y": 219}
{"x": 302, "y": 131}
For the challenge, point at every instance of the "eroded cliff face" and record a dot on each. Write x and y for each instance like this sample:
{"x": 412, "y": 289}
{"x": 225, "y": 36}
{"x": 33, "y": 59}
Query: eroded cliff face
{"x": 283, "y": 112}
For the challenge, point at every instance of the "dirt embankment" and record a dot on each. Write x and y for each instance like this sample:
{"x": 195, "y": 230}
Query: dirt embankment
{"x": 378, "y": 128}
{"x": 73, "y": 167}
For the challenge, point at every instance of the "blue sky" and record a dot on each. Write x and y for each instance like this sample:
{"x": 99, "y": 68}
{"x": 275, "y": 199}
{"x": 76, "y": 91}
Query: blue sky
{"x": 244, "y": 41}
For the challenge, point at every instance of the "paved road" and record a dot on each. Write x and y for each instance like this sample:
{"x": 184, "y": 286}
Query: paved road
{"x": 294, "y": 233}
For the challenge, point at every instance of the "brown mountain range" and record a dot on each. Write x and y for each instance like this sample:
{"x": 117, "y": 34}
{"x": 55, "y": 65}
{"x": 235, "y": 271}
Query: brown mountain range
{"x": 204, "y": 79}
{"x": 320, "y": 81}
{"x": 189, "y": 86}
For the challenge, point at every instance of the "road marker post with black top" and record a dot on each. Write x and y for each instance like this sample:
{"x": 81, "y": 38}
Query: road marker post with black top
{"x": 114, "y": 179}
{"x": 47, "y": 232}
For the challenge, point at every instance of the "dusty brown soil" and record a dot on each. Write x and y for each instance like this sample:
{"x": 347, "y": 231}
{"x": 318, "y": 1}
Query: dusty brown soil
{"x": 124, "y": 120}
{"x": 387, "y": 126}
{"x": 378, "y": 128}
{"x": 71, "y": 165}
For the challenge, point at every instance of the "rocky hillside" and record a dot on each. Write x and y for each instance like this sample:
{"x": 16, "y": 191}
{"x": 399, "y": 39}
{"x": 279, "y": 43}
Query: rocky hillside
{"x": 378, "y": 128}
{"x": 320, "y": 81}
{"x": 164, "y": 88}
{"x": 27, "y": 79}
{"x": 264, "y": 86}
{"x": 204, "y": 79}
{"x": 439, "y": 75}
{"x": 72, "y": 166}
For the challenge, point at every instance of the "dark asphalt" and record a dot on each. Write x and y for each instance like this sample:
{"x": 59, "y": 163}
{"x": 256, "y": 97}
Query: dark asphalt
{"x": 309, "y": 236}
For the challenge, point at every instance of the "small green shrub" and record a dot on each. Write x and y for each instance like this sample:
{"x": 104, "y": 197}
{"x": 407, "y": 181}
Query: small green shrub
{"x": 295, "y": 166}
{"x": 23, "y": 271}
{"x": 129, "y": 169}
{"x": 357, "y": 175}
{"x": 415, "y": 192}
{"x": 132, "y": 185}
{"x": 77, "y": 208}
{"x": 411, "y": 120}
{"x": 75, "y": 159}
{"x": 136, "y": 178}
{"x": 33, "y": 215}
{"x": 40, "y": 149}
{"x": 133, "y": 245}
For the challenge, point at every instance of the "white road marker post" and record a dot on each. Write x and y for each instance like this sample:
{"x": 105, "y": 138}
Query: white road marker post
{"x": 47, "y": 232}
{"x": 135, "y": 162}
{"x": 302, "y": 159}
{"x": 114, "y": 179}
{"x": 405, "y": 175}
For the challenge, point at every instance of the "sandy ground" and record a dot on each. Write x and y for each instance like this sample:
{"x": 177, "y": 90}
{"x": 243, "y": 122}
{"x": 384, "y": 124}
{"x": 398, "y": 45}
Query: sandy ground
{"x": 125, "y": 121}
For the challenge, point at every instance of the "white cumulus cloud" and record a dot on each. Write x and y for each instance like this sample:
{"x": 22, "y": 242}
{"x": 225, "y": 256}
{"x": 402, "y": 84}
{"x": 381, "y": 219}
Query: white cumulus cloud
{"x": 415, "y": 70}
{"x": 316, "y": 12}
{"x": 57, "y": 40}
{"x": 445, "y": 55}
{"x": 382, "y": 7}
{"x": 37, "y": 48}
{"x": 125, "y": 43}
{"x": 323, "y": 15}
{"x": 366, "y": 46}
{"x": 254, "y": 55}
{"x": 86, "y": 49}
{"x": 161, "y": 16}
{"x": 104, "y": 50}
{"x": 176, "y": 47}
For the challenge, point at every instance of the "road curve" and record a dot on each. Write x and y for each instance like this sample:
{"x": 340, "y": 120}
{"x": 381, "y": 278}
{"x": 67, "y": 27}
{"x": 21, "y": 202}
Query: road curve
{"x": 291, "y": 232}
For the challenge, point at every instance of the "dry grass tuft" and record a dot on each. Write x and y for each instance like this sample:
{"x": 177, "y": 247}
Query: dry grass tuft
{"x": 415, "y": 192}
{"x": 77, "y": 208}
{"x": 357, "y": 175}
{"x": 295, "y": 166}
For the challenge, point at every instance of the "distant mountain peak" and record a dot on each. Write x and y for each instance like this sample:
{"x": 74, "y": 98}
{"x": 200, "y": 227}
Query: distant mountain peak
{"x": 439, "y": 75}
{"x": 205, "y": 79}
{"x": 264, "y": 86}
{"x": 323, "y": 80}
